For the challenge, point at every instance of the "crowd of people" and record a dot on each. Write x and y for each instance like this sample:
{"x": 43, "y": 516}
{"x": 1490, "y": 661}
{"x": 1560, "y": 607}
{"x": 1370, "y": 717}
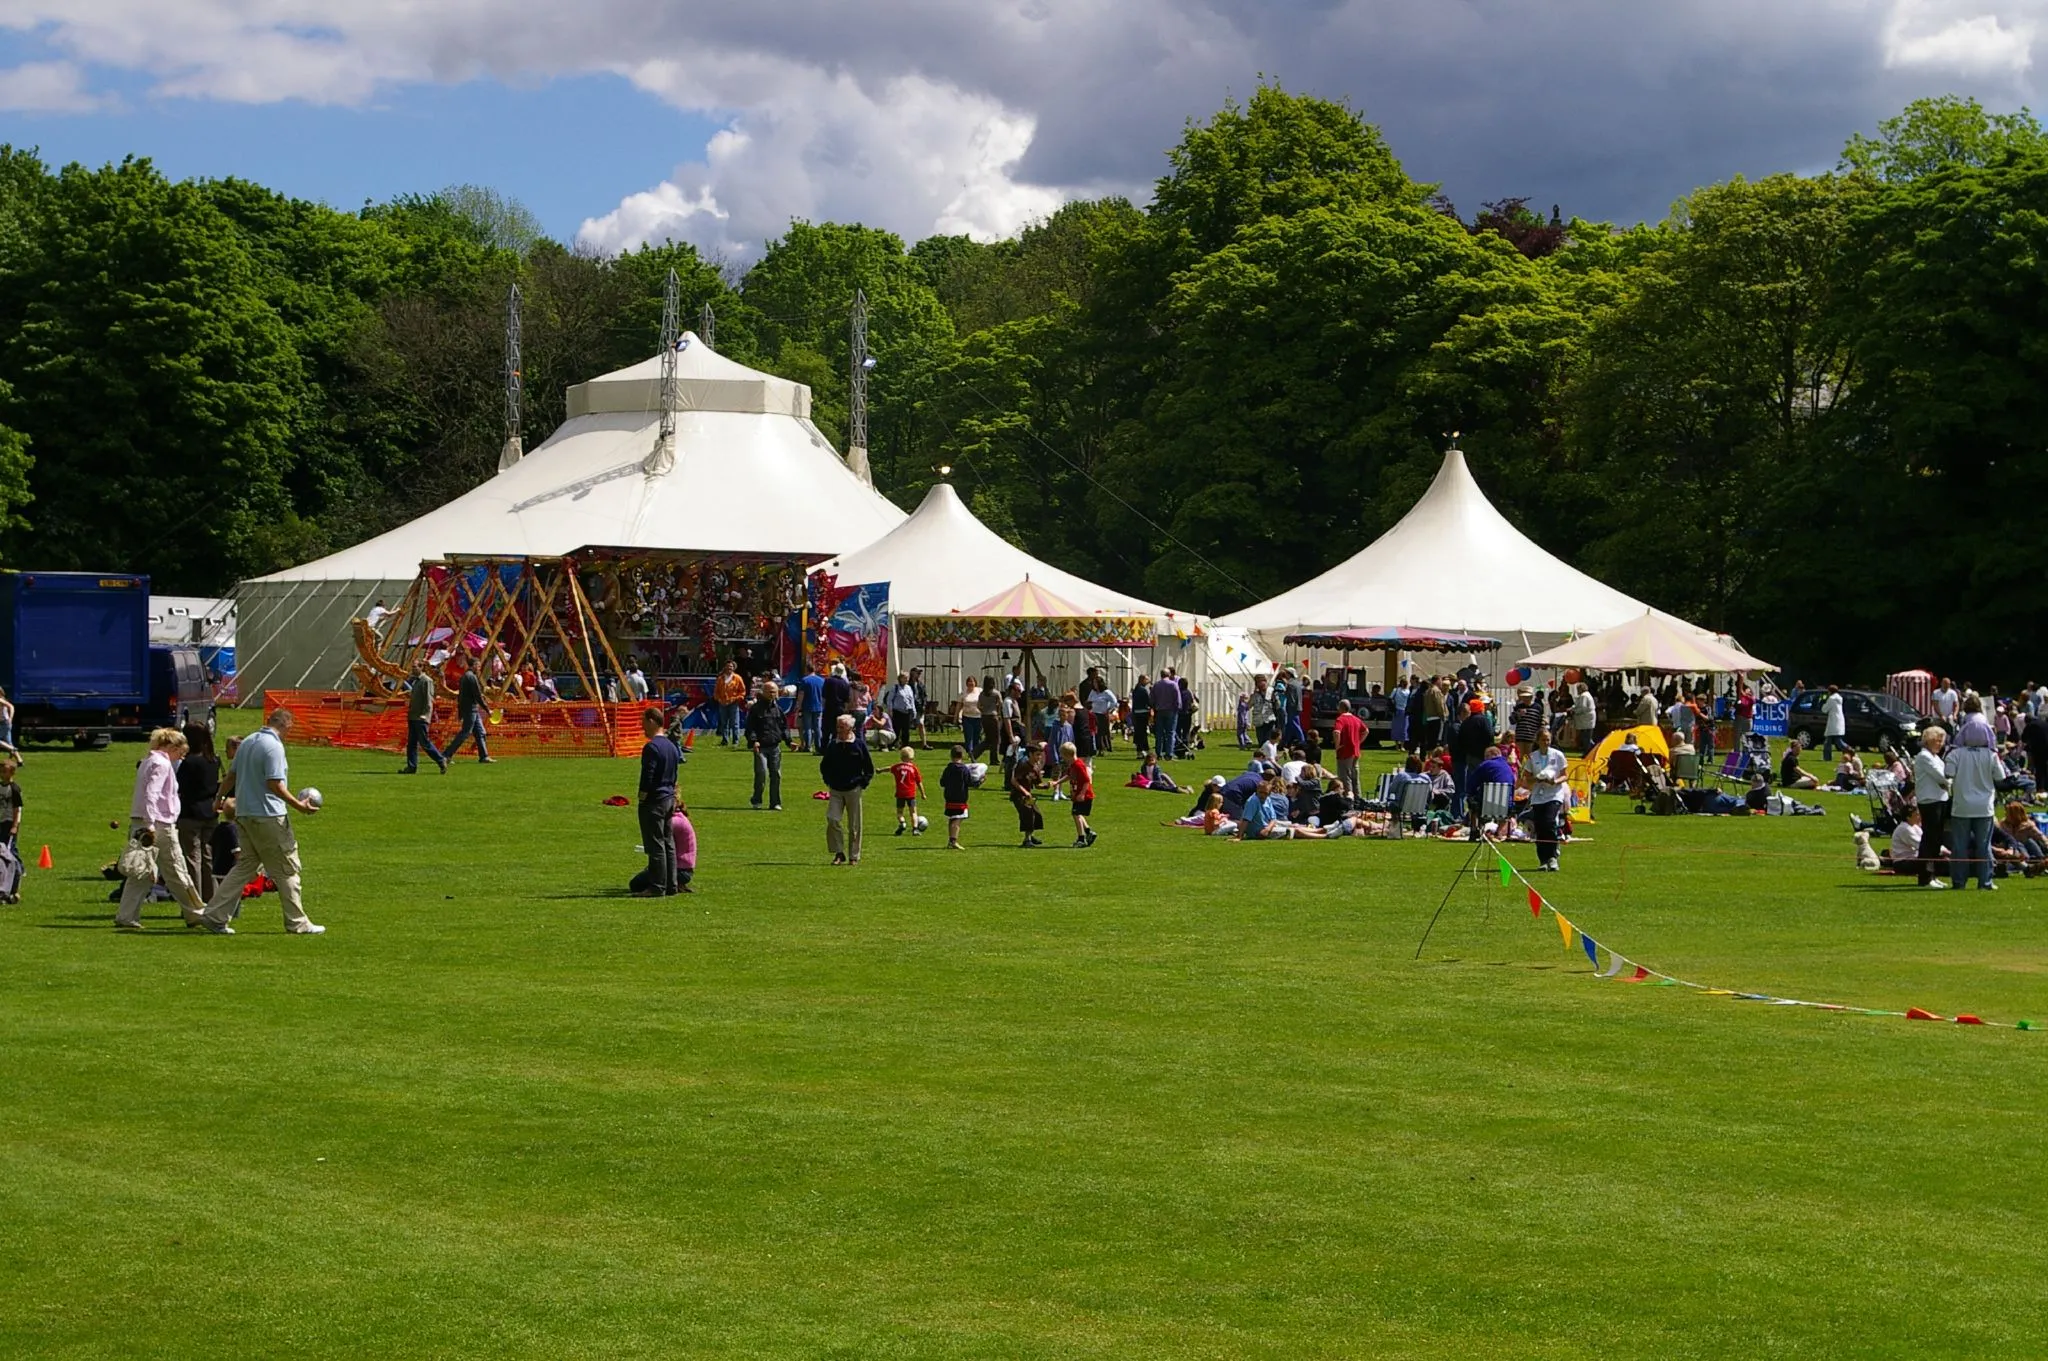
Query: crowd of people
{"x": 206, "y": 828}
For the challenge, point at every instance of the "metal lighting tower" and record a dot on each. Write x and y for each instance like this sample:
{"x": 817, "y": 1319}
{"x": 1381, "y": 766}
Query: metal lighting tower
{"x": 857, "y": 416}
{"x": 707, "y": 327}
{"x": 515, "y": 448}
{"x": 663, "y": 456}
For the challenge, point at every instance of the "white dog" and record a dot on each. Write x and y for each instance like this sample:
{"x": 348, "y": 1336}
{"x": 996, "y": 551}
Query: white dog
{"x": 1866, "y": 858}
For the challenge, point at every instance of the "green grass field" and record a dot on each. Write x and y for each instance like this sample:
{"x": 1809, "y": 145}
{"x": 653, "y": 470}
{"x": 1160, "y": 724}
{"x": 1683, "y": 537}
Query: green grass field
{"x": 1169, "y": 1097}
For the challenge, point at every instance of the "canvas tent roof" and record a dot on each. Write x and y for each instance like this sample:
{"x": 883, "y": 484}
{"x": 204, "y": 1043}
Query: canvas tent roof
{"x": 1453, "y": 562}
{"x": 751, "y": 475}
{"x": 1650, "y": 642}
{"x": 943, "y": 560}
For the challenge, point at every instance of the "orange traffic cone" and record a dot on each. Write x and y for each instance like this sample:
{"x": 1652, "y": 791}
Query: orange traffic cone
{"x": 43, "y": 861}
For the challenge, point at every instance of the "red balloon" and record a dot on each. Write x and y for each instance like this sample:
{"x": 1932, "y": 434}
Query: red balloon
{"x": 1571, "y": 677}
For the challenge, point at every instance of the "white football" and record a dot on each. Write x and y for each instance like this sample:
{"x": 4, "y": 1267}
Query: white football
{"x": 311, "y": 795}
{"x": 923, "y": 822}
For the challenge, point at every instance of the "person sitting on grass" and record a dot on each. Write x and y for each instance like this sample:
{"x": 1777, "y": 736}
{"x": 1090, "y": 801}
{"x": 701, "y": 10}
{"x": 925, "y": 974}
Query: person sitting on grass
{"x": 1156, "y": 778}
{"x": 1790, "y": 776}
{"x": 683, "y": 836}
{"x": 2018, "y": 842}
{"x": 1849, "y": 771}
{"x": 1903, "y": 855}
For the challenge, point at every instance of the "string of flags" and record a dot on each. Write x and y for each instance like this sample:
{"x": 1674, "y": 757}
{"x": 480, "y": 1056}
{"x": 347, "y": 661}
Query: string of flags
{"x": 1632, "y": 971}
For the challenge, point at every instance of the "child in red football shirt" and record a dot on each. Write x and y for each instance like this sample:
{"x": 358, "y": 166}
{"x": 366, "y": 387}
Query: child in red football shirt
{"x": 909, "y": 784}
{"x": 1080, "y": 783}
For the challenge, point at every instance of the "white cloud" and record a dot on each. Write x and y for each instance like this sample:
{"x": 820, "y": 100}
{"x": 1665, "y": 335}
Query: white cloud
{"x": 939, "y": 115}
{"x": 1944, "y": 37}
{"x": 46, "y": 87}
{"x": 916, "y": 155}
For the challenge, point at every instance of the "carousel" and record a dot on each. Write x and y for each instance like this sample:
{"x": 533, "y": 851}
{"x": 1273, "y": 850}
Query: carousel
{"x": 552, "y": 639}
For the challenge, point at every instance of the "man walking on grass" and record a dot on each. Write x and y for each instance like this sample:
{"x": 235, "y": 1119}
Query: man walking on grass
{"x": 659, "y": 762}
{"x": 264, "y": 803}
{"x": 765, "y": 734}
{"x": 469, "y": 716}
{"x": 419, "y": 719}
{"x": 846, "y": 768}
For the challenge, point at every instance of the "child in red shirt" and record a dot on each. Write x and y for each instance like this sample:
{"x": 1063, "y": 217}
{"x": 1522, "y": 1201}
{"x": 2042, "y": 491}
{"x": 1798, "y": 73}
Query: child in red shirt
{"x": 909, "y": 784}
{"x": 1080, "y": 783}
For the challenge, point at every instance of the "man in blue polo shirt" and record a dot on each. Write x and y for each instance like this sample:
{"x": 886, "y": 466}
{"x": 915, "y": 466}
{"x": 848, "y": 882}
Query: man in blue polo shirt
{"x": 263, "y": 805}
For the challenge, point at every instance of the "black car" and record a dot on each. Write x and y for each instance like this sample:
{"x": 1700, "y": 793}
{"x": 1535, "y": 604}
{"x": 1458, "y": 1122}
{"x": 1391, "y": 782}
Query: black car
{"x": 1868, "y": 718}
{"x": 1356, "y": 685}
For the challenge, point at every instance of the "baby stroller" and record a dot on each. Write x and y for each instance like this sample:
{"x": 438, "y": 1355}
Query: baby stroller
{"x": 1887, "y": 802}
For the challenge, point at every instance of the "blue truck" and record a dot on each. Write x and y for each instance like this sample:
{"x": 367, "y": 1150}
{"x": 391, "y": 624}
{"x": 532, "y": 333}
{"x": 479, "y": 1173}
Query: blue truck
{"x": 75, "y": 659}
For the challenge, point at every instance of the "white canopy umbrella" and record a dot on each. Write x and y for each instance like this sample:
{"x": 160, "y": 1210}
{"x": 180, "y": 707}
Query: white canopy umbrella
{"x": 1650, "y": 642}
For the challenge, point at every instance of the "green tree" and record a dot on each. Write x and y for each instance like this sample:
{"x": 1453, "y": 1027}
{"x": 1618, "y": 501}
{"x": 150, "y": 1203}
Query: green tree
{"x": 800, "y": 296}
{"x": 1948, "y": 436}
{"x": 1704, "y": 392}
{"x": 160, "y": 389}
{"x": 1933, "y": 134}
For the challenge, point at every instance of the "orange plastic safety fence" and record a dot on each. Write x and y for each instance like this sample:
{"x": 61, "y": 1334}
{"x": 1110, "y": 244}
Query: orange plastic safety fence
{"x": 335, "y": 718}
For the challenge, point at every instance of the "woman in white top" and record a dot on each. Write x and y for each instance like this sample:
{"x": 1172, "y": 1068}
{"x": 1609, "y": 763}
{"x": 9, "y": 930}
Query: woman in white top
{"x": 970, "y": 715}
{"x": 1930, "y": 794}
{"x": 1543, "y": 771}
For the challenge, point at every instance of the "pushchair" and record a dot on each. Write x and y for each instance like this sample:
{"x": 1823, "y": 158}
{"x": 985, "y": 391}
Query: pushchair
{"x": 1887, "y": 802}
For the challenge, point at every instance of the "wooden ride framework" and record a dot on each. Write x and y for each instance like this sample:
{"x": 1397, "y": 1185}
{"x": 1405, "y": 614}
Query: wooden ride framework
{"x": 541, "y": 604}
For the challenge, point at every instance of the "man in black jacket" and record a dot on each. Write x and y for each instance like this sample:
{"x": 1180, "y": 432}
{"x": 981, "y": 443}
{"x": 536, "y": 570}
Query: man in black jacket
{"x": 838, "y": 699}
{"x": 1468, "y": 749}
{"x": 659, "y": 762}
{"x": 469, "y": 714}
{"x": 846, "y": 767}
{"x": 765, "y": 732}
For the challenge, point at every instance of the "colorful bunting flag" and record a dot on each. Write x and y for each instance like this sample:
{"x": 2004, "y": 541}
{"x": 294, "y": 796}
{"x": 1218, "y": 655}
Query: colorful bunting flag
{"x": 1617, "y": 963}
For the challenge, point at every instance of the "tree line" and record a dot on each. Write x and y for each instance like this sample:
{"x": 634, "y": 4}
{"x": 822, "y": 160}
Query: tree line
{"x": 1808, "y": 410}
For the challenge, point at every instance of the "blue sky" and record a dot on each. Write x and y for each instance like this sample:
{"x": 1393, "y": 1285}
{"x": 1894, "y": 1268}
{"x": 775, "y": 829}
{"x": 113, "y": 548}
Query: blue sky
{"x": 568, "y": 148}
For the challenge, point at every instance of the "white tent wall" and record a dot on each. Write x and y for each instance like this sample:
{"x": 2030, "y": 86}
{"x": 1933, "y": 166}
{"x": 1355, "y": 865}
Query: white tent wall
{"x": 295, "y": 635}
{"x": 1216, "y": 680}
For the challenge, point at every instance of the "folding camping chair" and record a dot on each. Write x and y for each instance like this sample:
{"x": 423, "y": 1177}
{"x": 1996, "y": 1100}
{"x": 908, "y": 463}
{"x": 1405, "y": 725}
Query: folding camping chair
{"x": 1414, "y": 807}
{"x": 1753, "y": 757}
{"x": 1496, "y": 802}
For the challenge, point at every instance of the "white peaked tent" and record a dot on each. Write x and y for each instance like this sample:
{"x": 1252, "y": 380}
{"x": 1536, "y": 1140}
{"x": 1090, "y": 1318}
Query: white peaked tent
{"x": 1452, "y": 564}
{"x": 943, "y": 559}
{"x": 750, "y": 475}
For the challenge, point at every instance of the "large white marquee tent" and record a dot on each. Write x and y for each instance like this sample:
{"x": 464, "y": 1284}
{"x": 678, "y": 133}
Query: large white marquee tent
{"x": 943, "y": 559}
{"x": 1453, "y": 564}
{"x": 750, "y": 474}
